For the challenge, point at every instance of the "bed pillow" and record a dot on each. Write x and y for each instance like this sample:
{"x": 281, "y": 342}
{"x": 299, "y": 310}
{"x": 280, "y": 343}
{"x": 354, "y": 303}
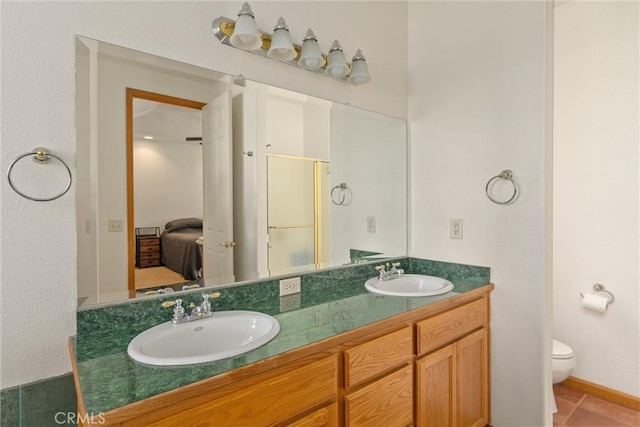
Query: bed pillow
{"x": 178, "y": 224}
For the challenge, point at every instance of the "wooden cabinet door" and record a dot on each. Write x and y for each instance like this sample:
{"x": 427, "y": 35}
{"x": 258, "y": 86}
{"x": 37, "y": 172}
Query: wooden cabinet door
{"x": 386, "y": 402}
{"x": 472, "y": 370}
{"x": 452, "y": 384}
{"x": 436, "y": 388}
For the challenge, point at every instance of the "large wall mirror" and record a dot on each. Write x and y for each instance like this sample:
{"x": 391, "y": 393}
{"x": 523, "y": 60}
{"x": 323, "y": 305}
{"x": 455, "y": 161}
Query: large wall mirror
{"x": 187, "y": 177}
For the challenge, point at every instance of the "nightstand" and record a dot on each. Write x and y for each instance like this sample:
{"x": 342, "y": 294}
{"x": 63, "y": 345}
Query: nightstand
{"x": 147, "y": 247}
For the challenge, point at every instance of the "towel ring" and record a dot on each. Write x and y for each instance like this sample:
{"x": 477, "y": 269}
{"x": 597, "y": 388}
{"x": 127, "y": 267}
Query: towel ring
{"x": 342, "y": 186}
{"x": 508, "y": 175}
{"x": 40, "y": 156}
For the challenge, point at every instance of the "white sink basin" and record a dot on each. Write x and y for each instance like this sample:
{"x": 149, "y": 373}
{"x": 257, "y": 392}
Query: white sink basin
{"x": 224, "y": 334}
{"x": 409, "y": 285}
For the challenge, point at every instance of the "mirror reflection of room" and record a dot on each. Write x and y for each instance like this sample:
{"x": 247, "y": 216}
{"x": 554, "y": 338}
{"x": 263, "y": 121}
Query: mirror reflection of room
{"x": 225, "y": 189}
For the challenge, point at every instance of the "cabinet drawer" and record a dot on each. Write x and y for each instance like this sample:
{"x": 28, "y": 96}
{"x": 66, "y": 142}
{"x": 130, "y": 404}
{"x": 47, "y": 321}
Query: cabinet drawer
{"x": 267, "y": 402}
{"x": 447, "y": 327}
{"x": 150, "y": 241}
{"x": 372, "y": 358}
{"x": 150, "y": 248}
{"x": 150, "y": 255}
{"x": 154, "y": 262}
{"x": 387, "y": 402}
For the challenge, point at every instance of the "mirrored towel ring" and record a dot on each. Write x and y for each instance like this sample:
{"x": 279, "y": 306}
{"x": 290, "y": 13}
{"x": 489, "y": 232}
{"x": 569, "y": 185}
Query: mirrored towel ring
{"x": 505, "y": 174}
{"x": 40, "y": 156}
{"x": 339, "y": 197}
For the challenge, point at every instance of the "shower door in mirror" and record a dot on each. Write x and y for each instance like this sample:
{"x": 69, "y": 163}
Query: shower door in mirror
{"x": 297, "y": 215}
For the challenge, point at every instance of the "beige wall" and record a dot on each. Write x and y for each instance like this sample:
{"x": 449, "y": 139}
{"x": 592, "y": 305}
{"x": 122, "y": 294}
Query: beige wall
{"x": 477, "y": 83}
{"x": 597, "y": 188}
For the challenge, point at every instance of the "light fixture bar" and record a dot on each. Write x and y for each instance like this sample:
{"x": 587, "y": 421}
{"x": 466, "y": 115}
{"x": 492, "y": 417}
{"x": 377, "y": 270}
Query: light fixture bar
{"x": 223, "y": 29}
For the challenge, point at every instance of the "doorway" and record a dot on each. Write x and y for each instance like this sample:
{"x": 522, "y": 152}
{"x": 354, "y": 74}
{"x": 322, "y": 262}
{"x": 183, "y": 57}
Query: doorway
{"x": 160, "y": 177}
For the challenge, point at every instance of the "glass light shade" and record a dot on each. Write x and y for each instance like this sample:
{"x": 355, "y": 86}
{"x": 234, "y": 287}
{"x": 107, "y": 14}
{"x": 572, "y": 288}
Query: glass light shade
{"x": 337, "y": 63}
{"x": 281, "y": 45}
{"x": 311, "y": 57}
{"x": 245, "y": 32}
{"x": 359, "y": 70}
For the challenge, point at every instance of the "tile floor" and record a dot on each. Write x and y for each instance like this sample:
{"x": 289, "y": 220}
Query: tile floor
{"x": 578, "y": 409}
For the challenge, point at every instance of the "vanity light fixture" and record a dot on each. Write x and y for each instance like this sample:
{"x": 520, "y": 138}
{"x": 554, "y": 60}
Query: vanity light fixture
{"x": 311, "y": 57}
{"x": 359, "y": 70}
{"x": 281, "y": 47}
{"x": 337, "y": 63}
{"x": 244, "y": 34}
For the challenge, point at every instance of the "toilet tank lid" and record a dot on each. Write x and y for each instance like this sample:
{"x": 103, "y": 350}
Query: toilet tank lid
{"x": 561, "y": 350}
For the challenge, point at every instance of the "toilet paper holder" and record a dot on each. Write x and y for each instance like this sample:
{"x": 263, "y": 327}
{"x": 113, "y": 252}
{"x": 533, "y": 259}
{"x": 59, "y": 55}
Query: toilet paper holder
{"x": 598, "y": 287}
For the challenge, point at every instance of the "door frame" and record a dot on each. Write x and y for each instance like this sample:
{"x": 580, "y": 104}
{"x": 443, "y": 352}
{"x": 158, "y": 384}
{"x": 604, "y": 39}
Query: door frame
{"x": 149, "y": 96}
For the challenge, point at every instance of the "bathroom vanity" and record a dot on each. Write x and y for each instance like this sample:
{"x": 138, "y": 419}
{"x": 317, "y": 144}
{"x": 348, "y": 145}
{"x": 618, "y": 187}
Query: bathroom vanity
{"x": 360, "y": 359}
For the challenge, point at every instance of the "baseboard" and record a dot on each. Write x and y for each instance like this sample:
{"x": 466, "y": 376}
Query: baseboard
{"x": 603, "y": 392}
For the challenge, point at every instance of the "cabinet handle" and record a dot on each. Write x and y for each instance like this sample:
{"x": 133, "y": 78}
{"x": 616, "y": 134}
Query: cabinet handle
{"x": 227, "y": 244}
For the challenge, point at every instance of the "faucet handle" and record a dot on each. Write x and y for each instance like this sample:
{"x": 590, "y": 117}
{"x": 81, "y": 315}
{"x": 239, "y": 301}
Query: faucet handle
{"x": 168, "y": 304}
{"x": 178, "y": 310}
{"x": 395, "y": 264}
{"x": 206, "y": 305}
{"x": 380, "y": 267}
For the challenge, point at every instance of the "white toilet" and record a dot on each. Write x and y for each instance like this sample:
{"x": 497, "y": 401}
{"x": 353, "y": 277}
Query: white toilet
{"x": 563, "y": 363}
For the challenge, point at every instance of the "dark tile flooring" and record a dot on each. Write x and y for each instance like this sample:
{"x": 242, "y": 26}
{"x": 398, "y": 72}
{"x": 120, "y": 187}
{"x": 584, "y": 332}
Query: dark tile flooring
{"x": 578, "y": 409}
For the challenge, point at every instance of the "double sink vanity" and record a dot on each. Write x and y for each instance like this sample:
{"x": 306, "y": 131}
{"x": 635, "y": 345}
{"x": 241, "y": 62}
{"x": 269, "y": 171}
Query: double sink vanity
{"x": 351, "y": 354}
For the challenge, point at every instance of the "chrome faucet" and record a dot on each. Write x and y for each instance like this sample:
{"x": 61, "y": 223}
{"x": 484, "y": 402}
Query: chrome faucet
{"x": 198, "y": 312}
{"x": 389, "y": 271}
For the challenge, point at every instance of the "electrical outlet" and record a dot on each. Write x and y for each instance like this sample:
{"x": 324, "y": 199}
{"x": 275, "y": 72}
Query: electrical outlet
{"x": 455, "y": 229}
{"x": 371, "y": 224}
{"x": 289, "y": 286}
{"x": 289, "y": 302}
{"x": 115, "y": 225}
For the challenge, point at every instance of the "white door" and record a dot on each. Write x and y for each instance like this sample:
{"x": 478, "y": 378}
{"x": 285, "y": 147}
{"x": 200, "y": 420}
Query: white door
{"x": 217, "y": 188}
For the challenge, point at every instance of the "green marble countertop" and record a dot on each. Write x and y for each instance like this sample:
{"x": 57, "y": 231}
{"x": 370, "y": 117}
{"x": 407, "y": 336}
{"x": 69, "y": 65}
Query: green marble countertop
{"x": 108, "y": 378}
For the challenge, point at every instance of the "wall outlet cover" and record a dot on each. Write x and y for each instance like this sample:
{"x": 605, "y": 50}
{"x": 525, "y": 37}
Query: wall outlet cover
{"x": 289, "y": 286}
{"x": 116, "y": 226}
{"x": 455, "y": 228}
{"x": 371, "y": 224}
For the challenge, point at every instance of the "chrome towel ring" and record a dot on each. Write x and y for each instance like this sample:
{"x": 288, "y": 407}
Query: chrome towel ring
{"x": 40, "y": 156}
{"x": 505, "y": 174}
{"x": 341, "y": 196}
